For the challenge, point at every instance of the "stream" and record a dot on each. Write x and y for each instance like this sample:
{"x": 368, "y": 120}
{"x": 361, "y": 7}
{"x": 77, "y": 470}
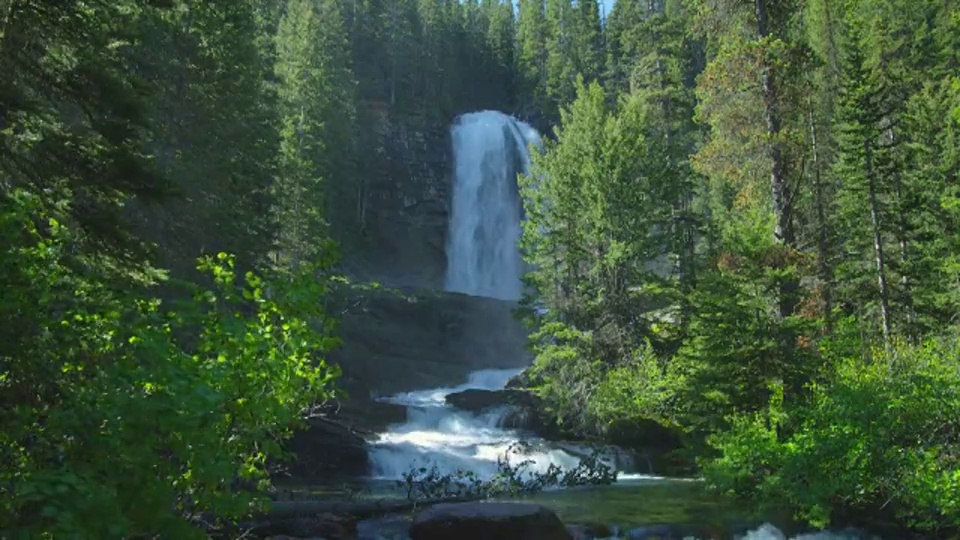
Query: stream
{"x": 637, "y": 506}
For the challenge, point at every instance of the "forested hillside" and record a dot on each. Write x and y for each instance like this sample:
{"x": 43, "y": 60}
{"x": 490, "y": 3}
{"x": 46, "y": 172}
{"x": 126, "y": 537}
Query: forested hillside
{"x": 746, "y": 229}
{"x": 745, "y": 226}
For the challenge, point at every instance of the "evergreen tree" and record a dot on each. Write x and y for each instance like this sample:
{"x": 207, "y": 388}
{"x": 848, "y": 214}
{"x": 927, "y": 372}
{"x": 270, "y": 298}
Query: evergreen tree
{"x": 501, "y": 48}
{"x": 863, "y": 189}
{"x": 214, "y": 133}
{"x": 588, "y": 41}
{"x": 317, "y": 113}
{"x": 561, "y": 61}
{"x": 746, "y": 96}
{"x": 74, "y": 123}
{"x": 532, "y": 57}
{"x": 625, "y": 21}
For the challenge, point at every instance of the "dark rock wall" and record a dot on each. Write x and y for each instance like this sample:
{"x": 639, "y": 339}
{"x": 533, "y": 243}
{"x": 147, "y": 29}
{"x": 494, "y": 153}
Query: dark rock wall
{"x": 400, "y": 341}
{"x": 402, "y": 241}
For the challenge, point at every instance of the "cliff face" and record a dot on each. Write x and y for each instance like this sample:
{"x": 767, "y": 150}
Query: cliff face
{"x": 405, "y": 207}
{"x": 417, "y": 338}
{"x": 396, "y": 342}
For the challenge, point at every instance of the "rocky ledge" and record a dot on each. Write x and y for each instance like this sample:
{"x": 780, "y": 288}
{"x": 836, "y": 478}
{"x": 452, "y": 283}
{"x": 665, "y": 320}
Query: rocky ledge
{"x": 526, "y": 409}
{"x": 327, "y": 449}
{"x": 476, "y": 400}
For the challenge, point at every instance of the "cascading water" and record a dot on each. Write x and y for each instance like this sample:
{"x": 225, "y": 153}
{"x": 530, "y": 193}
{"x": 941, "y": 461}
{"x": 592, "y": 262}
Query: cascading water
{"x": 437, "y": 435}
{"x": 489, "y": 150}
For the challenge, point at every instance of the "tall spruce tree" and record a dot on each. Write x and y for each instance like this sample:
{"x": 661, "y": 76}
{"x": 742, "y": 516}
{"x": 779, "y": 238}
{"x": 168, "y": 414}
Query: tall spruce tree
{"x": 532, "y": 57}
{"x": 74, "y": 116}
{"x": 316, "y": 104}
{"x": 214, "y": 133}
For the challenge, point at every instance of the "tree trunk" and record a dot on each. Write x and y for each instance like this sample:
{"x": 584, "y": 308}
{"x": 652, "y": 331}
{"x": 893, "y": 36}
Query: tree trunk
{"x": 902, "y": 236}
{"x": 783, "y": 230}
{"x": 823, "y": 268}
{"x": 878, "y": 244}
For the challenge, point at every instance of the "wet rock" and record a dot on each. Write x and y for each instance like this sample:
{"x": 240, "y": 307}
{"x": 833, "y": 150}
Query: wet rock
{"x": 327, "y": 449}
{"x": 477, "y": 400}
{"x": 384, "y": 528}
{"x": 368, "y": 415}
{"x": 579, "y": 532}
{"x": 488, "y": 521}
{"x": 526, "y": 409}
{"x": 519, "y": 381}
{"x": 398, "y": 341}
{"x": 399, "y": 238}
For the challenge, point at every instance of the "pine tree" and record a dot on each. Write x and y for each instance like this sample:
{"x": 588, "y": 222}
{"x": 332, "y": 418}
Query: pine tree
{"x": 532, "y": 57}
{"x": 588, "y": 41}
{"x": 624, "y": 24}
{"x": 561, "y": 67}
{"x": 749, "y": 95}
{"x": 74, "y": 117}
{"x": 316, "y": 106}
{"x": 214, "y": 134}
{"x": 501, "y": 47}
{"x": 862, "y": 190}
{"x": 660, "y": 79}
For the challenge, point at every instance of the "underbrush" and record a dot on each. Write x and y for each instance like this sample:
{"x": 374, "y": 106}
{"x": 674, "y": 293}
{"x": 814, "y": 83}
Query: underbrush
{"x": 877, "y": 436}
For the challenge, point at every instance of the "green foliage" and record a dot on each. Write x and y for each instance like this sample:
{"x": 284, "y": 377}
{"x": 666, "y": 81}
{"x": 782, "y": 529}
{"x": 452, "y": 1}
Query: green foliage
{"x": 129, "y": 416}
{"x": 73, "y": 121}
{"x": 532, "y": 56}
{"x": 824, "y": 189}
{"x": 212, "y": 132}
{"x": 316, "y": 104}
{"x": 639, "y": 390}
{"x": 878, "y": 434}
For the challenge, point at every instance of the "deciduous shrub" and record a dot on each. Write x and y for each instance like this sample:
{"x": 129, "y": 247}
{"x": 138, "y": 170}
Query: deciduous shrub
{"x": 124, "y": 415}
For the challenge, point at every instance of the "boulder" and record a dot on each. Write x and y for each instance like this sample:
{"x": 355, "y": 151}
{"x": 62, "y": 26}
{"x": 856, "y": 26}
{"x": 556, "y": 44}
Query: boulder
{"x": 526, "y": 409}
{"x": 519, "y": 381}
{"x": 402, "y": 340}
{"x": 488, "y": 521}
{"x": 591, "y": 531}
{"x": 367, "y": 415}
{"x": 476, "y": 400}
{"x": 327, "y": 449}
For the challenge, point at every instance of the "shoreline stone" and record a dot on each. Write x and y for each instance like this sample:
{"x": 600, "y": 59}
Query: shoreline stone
{"x": 488, "y": 521}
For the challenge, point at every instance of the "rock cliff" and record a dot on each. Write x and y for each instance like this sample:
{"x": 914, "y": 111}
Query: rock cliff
{"x": 404, "y": 210}
{"x": 397, "y": 341}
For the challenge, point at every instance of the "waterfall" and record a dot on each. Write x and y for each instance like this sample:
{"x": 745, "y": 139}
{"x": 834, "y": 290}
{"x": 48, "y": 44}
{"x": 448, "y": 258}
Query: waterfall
{"x": 489, "y": 150}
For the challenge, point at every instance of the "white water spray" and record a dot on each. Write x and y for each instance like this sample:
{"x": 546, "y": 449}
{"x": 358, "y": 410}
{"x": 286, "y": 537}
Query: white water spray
{"x": 489, "y": 150}
{"x": 437, "y": 435}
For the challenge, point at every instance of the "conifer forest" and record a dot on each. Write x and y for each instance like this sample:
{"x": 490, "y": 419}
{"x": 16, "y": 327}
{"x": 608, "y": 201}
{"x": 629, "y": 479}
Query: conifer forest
{"x": 741, "y": 229}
